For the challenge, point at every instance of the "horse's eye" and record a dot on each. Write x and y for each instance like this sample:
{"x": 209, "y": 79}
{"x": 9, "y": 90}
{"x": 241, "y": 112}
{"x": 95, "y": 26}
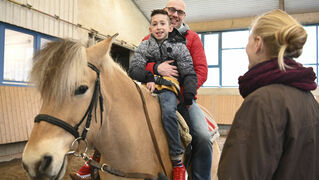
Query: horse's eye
{"x": 81, "y": 90}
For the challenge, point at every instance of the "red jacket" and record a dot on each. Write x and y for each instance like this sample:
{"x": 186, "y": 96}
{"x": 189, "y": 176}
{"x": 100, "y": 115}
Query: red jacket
{"x": 195, "y": 47}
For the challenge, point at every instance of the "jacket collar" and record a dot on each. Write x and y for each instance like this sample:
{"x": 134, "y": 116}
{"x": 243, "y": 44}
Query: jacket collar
{"x": 183, "y": 29}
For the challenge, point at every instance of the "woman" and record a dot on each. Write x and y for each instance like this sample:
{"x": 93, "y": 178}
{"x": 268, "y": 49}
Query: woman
{"x": 275, "y": 132}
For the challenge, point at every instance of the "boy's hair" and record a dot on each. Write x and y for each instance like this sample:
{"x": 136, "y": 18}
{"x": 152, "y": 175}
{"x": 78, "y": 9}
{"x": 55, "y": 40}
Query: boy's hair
{"x": 160, "y": 11}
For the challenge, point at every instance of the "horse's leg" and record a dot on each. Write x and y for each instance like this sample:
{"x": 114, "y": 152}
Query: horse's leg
{"x": 215, "y": 162}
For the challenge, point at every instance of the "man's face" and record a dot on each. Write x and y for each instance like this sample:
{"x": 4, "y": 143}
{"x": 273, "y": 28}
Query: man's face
{"x": 176, "y": 11}
{"x": 160, "y": 26}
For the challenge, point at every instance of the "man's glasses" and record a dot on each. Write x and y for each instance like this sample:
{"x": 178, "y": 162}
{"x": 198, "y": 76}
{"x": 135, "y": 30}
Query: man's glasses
{"x": 173, "y": 10}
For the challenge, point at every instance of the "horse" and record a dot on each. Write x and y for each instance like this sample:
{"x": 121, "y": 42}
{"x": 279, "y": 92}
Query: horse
{"x": 84, "y": 90}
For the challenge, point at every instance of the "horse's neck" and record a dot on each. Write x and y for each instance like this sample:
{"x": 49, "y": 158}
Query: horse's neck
{"x": 125, "y": 130}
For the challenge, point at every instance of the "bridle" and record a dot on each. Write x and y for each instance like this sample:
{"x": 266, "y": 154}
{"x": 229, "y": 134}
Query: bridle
{"x": 97, "y": 96}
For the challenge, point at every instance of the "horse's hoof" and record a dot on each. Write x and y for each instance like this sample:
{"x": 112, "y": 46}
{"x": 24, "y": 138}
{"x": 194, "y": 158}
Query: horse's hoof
{"x": 74, "y": 176}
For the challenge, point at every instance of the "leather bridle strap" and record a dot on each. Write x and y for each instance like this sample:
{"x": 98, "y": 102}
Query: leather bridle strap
{"x": 117, "y": 172}
{"x": 88, "y": 114}
{"x": 150, "y": 127}
{"x": 58, "y": 122}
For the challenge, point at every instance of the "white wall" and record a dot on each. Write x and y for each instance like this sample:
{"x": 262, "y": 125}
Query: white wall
{"x": 24, "y": 17}
{"x": 111, "y": 16}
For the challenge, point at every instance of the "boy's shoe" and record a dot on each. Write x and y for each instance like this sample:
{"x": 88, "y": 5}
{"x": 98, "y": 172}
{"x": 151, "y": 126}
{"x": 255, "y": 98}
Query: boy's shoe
{"x": 179, "y": 173}
{"x": 84, "y": 173}
{"x": 76, "y": 176}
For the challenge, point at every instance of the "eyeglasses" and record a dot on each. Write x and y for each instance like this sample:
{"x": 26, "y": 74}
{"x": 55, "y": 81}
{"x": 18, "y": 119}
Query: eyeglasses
{"x": 173, "y": 10}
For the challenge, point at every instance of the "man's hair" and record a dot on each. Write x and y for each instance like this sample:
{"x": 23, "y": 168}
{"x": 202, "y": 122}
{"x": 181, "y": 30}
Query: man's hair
{"x": 160, "y": 11}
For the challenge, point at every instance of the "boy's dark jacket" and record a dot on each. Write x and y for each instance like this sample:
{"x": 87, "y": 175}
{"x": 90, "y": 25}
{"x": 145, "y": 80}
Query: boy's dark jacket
{"x": 172, "y": 48}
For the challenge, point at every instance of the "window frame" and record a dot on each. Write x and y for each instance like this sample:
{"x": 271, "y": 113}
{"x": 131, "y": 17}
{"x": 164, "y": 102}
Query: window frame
{"x": 220, "y": 51}
{"x": 36, "y": 46}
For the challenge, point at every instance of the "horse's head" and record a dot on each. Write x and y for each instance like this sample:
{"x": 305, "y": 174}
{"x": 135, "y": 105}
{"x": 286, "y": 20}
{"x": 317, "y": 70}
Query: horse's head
{"x": 67, "y": 77}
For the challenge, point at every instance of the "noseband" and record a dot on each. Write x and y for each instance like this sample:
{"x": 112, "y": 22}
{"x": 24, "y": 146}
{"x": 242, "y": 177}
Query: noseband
{"x": 97, "y": 96}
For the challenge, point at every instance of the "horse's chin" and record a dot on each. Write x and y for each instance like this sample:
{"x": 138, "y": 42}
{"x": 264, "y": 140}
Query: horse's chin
{"x": 58, "y": 176}
{"x": 62, "y": 169}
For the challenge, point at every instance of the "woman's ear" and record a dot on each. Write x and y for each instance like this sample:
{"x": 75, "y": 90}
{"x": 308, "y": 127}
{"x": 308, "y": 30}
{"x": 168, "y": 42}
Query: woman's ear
{"x": 258, "y": 44}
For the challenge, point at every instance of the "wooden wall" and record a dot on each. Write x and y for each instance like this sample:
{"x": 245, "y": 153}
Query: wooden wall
{"x": 18, "y": 107}
{"x": 223, "y": 103}
{"x": 222, "y": 107}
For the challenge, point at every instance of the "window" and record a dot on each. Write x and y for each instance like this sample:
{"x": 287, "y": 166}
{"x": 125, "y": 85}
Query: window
{"x": 18, "y": 53}
{"x": 211, "y": 47}
{"x": 234, "y": 58}
{"x": 17, "y": 46}
{"x": 227, "y": 59}
{"x": 309, "y": 56}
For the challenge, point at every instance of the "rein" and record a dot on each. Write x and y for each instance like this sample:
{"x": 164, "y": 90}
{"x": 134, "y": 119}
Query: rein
{"x": 150, "y": 127}
{"x": 97, "y": 96}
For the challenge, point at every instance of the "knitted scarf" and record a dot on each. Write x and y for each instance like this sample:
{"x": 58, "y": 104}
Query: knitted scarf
{"x": 268, "y": 72}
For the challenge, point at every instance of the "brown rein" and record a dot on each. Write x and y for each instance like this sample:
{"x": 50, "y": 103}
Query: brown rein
{"x": 150, "y": 127}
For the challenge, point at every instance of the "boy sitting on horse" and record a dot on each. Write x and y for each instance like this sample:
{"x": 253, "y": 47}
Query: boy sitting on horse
{"x": 164, "y": 44}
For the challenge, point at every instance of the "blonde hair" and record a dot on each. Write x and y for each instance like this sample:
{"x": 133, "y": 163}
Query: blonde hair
{"x": 58, "y": 69}
{"x": 282, "y": 35}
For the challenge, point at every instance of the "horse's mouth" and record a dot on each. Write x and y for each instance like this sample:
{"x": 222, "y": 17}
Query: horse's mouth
{"x": 59, "y": 175}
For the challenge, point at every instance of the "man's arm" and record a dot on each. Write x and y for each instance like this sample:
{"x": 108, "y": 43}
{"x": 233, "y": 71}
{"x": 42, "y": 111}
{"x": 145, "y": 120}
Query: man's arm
{"x": 187, "y": 73}
{"x": 199, "y": 59}
{"x": 164, "y": 69}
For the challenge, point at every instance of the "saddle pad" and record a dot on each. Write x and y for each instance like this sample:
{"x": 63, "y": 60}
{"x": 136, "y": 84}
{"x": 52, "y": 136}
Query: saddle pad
{"x": 212, "y": 125}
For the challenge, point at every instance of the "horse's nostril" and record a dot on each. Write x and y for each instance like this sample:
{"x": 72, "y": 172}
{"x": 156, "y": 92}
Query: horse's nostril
{"x": 45, "y": 163}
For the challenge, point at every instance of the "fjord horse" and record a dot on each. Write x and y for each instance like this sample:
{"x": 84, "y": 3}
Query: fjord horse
{"x": 86, "y": 95}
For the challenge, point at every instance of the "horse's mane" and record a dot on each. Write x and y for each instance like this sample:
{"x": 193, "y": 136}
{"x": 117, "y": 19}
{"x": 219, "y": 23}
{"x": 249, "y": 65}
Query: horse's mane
{"x": 58, "y": 69}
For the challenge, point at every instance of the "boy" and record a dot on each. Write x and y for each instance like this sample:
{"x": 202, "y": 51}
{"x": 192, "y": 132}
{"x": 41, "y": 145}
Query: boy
{"x": 166, "y": 43}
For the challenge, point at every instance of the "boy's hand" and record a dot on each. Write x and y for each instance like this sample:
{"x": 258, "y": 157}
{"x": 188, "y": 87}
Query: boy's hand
{"x": 165, "y": 69}
{"x": 150, "y": 86}
{"x": 188, "y": 99}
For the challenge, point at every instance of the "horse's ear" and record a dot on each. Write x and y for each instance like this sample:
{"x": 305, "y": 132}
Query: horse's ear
{"x": 100, "y": 49}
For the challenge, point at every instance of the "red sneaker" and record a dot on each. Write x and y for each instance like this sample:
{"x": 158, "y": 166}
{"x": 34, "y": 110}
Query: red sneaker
{"x": 179, "y": 173}
{"x": 83, "y": 173}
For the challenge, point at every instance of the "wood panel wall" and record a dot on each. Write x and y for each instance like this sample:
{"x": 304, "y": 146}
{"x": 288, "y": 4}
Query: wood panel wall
{"x": 18, "y": 107}
{"x": 222, "y": 107}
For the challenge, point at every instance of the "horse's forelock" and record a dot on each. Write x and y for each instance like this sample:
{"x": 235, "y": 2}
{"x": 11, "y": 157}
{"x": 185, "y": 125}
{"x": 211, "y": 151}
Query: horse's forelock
{"x": 58, "y": 69}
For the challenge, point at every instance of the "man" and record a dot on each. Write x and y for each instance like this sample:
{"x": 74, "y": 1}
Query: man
{"x": 202, "y": 144}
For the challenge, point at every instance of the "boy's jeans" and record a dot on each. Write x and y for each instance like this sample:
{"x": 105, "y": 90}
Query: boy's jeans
{"x": 168, "y": 101}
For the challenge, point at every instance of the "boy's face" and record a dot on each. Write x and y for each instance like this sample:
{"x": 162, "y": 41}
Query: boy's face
{"x": 160, "y": 26}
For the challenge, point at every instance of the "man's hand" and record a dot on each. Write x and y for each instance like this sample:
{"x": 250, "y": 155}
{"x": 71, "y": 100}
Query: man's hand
{"x": 150, "y": 86}
{"x": 165, "y": 69}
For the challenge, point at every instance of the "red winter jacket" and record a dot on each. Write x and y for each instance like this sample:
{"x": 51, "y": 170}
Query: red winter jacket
{"x": 195, "y": 47}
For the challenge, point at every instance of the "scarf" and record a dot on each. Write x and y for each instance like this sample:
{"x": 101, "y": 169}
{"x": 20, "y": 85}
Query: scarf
{"x": 268, "y": 72}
